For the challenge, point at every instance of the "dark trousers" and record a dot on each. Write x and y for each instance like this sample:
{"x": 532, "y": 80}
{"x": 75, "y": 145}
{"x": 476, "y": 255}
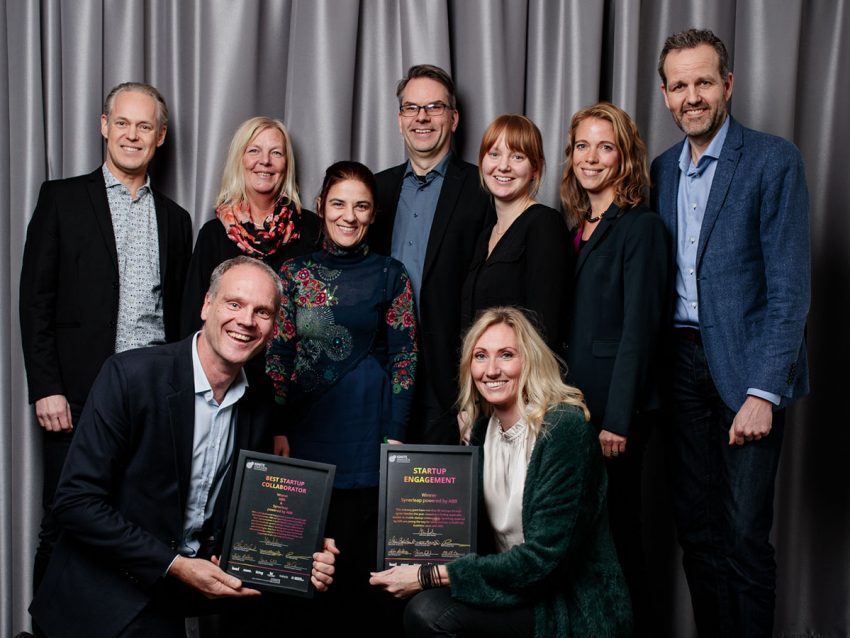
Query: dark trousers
{"x": 54, "y": 449}
{"x": 350, "y": 607}
{"x": 625, "y": 496}
{"x": 435, "y": 614}
{"x": 723, "y": 504}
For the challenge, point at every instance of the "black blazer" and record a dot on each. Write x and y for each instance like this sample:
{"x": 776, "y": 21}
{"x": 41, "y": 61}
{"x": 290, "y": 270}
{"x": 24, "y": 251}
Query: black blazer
{"x": 530, "y": 267}
{"x": 461, "y": 211}
{"x": 621, "y": 297}
{"x": 69, "y": 284}
{"x": 122, "y": 494}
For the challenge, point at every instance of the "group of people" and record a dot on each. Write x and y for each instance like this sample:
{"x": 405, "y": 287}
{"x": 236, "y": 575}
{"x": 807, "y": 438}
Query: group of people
{"x": 435, "y": 302}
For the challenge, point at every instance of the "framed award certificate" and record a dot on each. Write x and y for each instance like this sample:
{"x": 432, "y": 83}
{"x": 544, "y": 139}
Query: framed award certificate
{"x": 276, "y": 521}
{"x": 428, "y": 501}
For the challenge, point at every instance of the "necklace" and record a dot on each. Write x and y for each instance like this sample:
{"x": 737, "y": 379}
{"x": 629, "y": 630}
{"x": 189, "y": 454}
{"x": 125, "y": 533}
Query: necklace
{"x": 590, "y": 219}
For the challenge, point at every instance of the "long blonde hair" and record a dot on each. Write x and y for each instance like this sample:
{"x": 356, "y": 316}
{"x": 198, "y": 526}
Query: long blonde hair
{"x": 540, "y": 385}
{"x": 232, "y": 189}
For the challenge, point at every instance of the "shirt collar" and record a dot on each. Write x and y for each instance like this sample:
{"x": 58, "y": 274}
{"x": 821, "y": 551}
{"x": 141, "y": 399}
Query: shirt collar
{"x": 711, "y": 153}
{"x": 438, "y": 170}
{"x": 202, "y": 384}
{"x": 112, "y": 181}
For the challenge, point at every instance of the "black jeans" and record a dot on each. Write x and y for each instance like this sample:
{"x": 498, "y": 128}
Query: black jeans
{"x": 435, "y": 614}
{"x": 723, "y": 505}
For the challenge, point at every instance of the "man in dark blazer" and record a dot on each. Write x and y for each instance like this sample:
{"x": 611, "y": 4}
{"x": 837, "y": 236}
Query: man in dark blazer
{"x": 736, "y": 204}
{"x": 103, "y": 270}
{"x": 134, "y": 551}
{"x": 431, "y": 210}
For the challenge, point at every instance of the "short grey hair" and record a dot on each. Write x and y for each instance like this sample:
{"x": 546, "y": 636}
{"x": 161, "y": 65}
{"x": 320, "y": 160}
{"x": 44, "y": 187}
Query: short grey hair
{"x": 244, "y": 260}
{"x": 138, "y": 87}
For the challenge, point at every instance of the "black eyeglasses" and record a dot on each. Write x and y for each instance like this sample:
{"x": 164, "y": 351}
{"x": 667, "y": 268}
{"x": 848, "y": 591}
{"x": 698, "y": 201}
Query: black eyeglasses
{"x": 409, "y": 109}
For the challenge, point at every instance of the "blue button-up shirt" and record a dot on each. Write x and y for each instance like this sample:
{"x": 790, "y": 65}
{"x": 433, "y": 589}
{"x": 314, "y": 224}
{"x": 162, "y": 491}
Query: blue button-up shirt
{"x": 212, "y": 450}
{"x": 694, "y": 188}
{"x": 417, "y": 205}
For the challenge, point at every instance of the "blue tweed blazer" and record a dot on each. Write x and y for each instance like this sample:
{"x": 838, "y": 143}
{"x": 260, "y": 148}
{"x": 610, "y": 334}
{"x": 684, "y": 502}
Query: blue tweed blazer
{"x": 753, "y": 263}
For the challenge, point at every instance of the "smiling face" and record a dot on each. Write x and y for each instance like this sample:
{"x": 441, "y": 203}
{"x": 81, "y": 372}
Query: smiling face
{"x": 507, "y": 174}
{"x": 238, "y": 319}
{"x": 496, "y": 367}
{"x": 695, "y": 92}
{"x": 427, "y": 138}
{"x": 264, "y": 163}
{"x": 131, "y": 134}
{"x": 595, "y": 158}
{"x": 348, "y": 210}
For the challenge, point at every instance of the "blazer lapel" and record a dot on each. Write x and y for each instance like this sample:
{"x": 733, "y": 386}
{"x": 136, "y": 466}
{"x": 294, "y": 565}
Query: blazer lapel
{"x": 181, "y": 408}
{"x": 100, "y": 207}
{"x": 727, "y": 163}
{"x": 669, "y": 191}
{"x": 446, "y": 206}
{"x": 162, "y": 232}
{"x": 605, "y": 225}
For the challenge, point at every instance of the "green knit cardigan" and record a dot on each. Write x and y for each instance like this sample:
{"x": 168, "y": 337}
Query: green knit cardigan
{"x": 567, "y": 566}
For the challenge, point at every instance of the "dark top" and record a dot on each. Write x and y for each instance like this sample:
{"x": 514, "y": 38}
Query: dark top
{"x": 620, "y": 297}
{"x": 566, "y": 565}
{"x": 343, "y": 359}
{"x": 461, "y": 211}
{"x": 530, "y": 267}
{"x": 214, "y": 246}
{"x": 70, "y": 287}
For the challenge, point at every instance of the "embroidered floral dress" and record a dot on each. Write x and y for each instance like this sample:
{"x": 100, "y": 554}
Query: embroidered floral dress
{"x": 343, "y": 358}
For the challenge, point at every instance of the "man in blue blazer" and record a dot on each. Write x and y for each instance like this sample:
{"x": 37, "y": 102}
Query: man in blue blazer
{"x": 736, "y": 204}
{"x": 143, "y": 496}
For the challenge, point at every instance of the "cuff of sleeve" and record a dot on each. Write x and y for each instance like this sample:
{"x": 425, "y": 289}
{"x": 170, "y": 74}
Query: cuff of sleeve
{"x": 168, "y": 569}
{"x": 762, "y": 394}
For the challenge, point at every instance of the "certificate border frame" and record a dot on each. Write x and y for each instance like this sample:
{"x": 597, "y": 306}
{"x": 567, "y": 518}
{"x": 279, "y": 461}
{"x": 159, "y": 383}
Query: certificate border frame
{"x": 329, "y": 471}
{"x": 474, "y": 454}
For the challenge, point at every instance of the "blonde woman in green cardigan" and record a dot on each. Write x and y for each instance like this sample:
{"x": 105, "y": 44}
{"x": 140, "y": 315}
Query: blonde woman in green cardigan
{"x": 547, "y": 566}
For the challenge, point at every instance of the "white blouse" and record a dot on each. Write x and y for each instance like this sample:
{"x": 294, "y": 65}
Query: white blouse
{"x": 506, "y": 456}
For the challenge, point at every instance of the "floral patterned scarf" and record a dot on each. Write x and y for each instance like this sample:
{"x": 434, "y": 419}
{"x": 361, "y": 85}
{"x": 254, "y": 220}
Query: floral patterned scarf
{"x": 280, "y": 228}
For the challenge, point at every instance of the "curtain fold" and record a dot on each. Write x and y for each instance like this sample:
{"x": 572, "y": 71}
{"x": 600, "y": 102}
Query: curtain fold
{"x": 329, "y": 69}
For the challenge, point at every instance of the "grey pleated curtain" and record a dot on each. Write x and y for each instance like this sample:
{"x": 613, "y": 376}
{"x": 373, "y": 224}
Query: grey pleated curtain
{"x": 328, "y": 68}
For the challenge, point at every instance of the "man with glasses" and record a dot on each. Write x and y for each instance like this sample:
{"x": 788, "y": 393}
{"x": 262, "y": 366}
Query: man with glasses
{"x": 431, "y": 210}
